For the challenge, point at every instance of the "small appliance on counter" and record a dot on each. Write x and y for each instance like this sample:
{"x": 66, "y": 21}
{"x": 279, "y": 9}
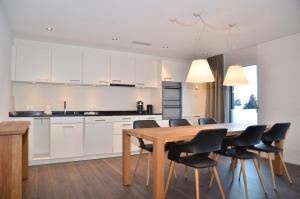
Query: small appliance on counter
{"x": 149, "y": 109}
{"x": 140, "y": 107}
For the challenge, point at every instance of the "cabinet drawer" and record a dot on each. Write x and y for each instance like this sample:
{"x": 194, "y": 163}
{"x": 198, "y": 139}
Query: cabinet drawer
{"x": 66, "y": 120}
{"x": 151, "y": 117}
{"x": 98, "y": 119}
{"x": 119, "y": 126}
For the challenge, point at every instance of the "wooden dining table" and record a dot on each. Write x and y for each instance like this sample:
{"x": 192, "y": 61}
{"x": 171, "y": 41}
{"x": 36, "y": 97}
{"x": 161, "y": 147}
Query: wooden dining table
{"x": 160, "y": 136}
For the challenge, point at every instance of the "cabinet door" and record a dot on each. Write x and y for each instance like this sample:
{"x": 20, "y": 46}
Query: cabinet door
{"x": 146, "y": 73}
{"x": 66, "y": 65}
{"x": 98, "y": 139}
{"x": 96, "y": 67}
{"x": 122, "y": 69}
{"x": 33, "y": 62}
{"x": 174, "y": 71}
{"x": 118, "y": 146}
{"x": 66, "y": 140}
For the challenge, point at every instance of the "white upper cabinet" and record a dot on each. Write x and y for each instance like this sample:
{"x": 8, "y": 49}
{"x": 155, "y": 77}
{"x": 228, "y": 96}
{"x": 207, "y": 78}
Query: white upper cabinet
{"x": 67, "y": 64}
{"x": 146, "y": 72}
{"x": 96, "y": 67}
{"x": 32, "y": 62}
{"x": 122, "y": 69}
{"x": 174, "y": 71}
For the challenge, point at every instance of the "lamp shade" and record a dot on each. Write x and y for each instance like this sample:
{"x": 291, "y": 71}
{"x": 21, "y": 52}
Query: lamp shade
{"x": 235, "y": 76}
{"x": 200, "y": 72}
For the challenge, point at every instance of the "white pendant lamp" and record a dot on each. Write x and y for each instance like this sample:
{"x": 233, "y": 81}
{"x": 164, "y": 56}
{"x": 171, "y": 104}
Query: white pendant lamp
{"x": 235, "y": 76}
{"x": 200, "y": 72}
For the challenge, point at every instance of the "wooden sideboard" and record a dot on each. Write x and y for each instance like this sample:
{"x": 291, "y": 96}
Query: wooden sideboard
{"x": 13, "y": 158}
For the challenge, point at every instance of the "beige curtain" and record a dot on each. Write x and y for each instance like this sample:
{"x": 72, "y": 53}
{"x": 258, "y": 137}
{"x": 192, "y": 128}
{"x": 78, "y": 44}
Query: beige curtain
{"x": 215, "y": 94}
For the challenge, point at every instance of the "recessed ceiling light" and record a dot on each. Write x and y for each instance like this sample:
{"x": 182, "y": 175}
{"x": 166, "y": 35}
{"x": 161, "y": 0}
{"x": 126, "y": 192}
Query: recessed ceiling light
{"x": 115, "y": 38}
{"x": 165, "y": 46}
{"x": 49, "y": 29}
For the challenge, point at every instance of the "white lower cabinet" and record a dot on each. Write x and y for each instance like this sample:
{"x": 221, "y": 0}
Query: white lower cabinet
{"x": 98, "y": 137}
{"x": 66, "y": 138}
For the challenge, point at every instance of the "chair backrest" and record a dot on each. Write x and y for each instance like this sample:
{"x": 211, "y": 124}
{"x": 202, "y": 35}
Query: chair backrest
{"x": 178, "y": 122}
{"x": 207, "y": 141}
{"x": 207, "y": 120}
{"x": 144, "y": 124}
{"x": 276, "y": 132}
{"x": 251, "y": 136}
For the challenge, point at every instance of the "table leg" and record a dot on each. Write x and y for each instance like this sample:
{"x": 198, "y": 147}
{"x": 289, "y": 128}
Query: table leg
{"x": 25, "y": 156}
{"x": 126, "y": 159}
{"x": 158, "y": 168}
{"x": 277, "y": 164}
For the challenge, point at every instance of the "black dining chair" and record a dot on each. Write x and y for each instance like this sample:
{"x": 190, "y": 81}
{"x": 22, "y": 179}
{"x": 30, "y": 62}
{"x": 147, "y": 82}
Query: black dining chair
{"x": 178, "y": 122}
{"x": 251, "y": 136}
{"x": 276, "y": 133}
{"x": 147, "y": 147}
{"x": 207, "y": 120}
{"x": 204, "y": 142}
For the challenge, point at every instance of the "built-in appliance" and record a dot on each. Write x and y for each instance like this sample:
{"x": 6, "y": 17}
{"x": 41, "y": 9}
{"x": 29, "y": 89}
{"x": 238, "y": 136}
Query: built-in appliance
{"x": 140, "y": 107}
{"x": 149, "y": 109}
{"x": 171, "y": 100}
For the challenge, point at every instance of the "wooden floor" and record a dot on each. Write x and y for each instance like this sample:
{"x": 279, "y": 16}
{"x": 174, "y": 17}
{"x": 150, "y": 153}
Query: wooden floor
{"x": 102, "y": 179}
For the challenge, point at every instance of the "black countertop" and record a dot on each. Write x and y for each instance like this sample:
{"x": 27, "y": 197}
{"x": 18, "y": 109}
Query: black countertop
{"x": 75, "y": 113}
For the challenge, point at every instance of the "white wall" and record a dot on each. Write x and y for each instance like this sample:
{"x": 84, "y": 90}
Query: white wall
{"x": 5, "y": 54}
{"x": 79, "y": 98}
{"x": 278, "y": 90}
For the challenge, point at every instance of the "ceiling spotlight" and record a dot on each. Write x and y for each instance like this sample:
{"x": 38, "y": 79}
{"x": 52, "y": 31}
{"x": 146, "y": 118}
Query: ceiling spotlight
{"x": 165, "y": 47}
{"x": 115, "y": 38}
{"x": 49, "y": 29}
{"x": 172, "y": 19}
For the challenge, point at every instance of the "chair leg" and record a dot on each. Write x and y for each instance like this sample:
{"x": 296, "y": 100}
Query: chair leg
{"x": 216, "y": 157}
{"x": 285, "y": 168}
{"x": 148, "y": 168}
{"x": 260, "y": 177}
{"x": 197, "y": 184}
{"x": 259, "y": 160}
{"x": 186, "y": 169}
{"x": 138, "y": 161}
{"x": 240, "y": 173}
{"x": 218, "y": 182}
{"x": 272, "y": 170}
{"x": 245, "y": 178}
{"x": 171, "y": 171}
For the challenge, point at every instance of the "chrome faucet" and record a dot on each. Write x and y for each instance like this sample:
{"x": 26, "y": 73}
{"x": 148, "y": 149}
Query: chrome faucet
{"x": 65, "y": 107}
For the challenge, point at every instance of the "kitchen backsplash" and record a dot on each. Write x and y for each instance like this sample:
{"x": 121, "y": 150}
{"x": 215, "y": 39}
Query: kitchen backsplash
{"x": 28, "y": 96}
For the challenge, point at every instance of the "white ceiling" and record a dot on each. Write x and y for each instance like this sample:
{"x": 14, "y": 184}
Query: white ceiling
{"x": 95, "y": 22}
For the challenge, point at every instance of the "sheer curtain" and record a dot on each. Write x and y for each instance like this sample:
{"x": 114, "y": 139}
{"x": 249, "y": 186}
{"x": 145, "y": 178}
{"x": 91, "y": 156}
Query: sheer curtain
{"x": 215, "y": 96}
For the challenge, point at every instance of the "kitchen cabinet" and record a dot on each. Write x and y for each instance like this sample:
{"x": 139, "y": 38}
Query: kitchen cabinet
{"x": 67, "y": 64}
{"x": 122, "y": 69}
{"x": 66, "y": 137}
{"x": 174, "y": 71}
{"x": 32, "y": 62}
{"x": 146, "y": 72}
{"x": 96, "y": 67}
{"x": 98, "y": 137}
{"x": 41, "y": 137}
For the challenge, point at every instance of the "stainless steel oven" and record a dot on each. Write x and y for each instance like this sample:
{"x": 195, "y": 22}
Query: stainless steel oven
{"x": 171, "y": 100}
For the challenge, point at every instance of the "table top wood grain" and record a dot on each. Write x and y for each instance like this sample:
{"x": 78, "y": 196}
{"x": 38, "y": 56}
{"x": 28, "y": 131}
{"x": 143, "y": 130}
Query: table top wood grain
{"x": 170, "y": 134}
{"x": 13, "y": 127}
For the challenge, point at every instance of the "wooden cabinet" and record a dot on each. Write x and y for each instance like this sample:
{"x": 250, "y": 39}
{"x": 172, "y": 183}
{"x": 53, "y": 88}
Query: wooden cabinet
{"x": 67, "y": 65}
{"x": 66, "y": 139}
{"x": 32, "y": 62}
{"x": 122, "y": 69}
{"x": 174, "y": 71}
{"x": 98, "y": 136}
{"x": 96, "y": 67}
{"x": 146, "y": 72}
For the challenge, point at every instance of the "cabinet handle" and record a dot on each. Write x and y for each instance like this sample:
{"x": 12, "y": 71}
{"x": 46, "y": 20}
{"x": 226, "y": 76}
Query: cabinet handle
{"x": 116, "y": 80}
{"x": 167, "y": 78}
{"x": 126, "y": 118}
{"x": 99, "y": 120}
{"x": 151, "y": 118}
{"x": 68, "y": 127}
{"x": 126, "y": 124}
{"x": 74, "y": 80}
{"x": 141, "y": 84}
